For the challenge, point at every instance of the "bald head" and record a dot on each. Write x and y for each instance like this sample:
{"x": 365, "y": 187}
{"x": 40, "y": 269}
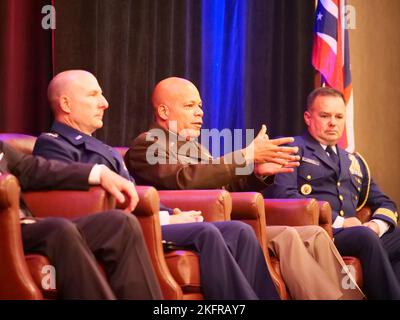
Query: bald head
{"x": 63, "y": 83}
{"x": 177, "y": 106}
{"x": 168, "y": 89}
{"x": 77, "y": 100}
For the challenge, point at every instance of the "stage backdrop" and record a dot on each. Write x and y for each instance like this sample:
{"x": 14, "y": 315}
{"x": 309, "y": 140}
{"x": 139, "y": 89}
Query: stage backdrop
{"x": 25, "y": 66}
{"x": 249, "y": 59}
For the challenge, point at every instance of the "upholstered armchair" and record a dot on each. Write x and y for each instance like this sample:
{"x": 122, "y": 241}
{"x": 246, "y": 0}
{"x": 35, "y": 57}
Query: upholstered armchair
{"x": 177, "y": 270}
{"x": 20, "y": 274}
{"x": 215, "y": 205}
{"x": 249, "y": 208}
{"x": 301, "y": 212}
{"x": 325, "y": 221}
{"x": 253, "y": 209}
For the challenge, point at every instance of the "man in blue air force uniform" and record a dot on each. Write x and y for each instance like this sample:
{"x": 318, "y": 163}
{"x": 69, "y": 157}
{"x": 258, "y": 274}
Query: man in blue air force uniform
{"x": 232, "y": 264}
{"x": 328, "y": 172}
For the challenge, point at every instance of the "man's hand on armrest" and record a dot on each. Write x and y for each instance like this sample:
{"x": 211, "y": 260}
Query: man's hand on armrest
{"x": 180, "y": 216}
{"x": 122, "y": 189}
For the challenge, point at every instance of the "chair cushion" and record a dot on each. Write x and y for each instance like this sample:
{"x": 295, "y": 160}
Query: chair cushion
{"x": 184, "y": 267}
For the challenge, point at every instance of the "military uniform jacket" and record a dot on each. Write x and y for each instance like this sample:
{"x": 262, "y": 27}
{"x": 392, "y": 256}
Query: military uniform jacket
{"x": 346, "y": 188}
{"x": 67, "y": 144}
{"x": 173, "y": 163}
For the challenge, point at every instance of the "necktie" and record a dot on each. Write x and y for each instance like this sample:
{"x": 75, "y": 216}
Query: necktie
{"x": 332, "y": 154}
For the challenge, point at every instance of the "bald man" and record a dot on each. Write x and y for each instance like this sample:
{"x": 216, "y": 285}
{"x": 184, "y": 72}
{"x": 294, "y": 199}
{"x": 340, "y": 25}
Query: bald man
{"x": 169, "y": 157}
{"x": 232, "y": 264}
{"x": 178, "y": 109}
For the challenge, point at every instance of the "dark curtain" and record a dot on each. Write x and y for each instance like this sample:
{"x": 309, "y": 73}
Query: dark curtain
{"x": 129, "y": 46}
{"x": 25, "y": 67}
{"x": 278, "y": 73}
{"x": 249, "y": 58}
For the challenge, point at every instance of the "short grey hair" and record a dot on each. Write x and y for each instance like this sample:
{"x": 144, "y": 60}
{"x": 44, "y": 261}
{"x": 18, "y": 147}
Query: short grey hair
{"x": 322, "y": 92}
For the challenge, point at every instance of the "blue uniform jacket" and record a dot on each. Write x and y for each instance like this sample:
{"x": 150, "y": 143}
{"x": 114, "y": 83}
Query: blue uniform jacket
{"x": 345, "y": 188}
{"x": 67, "y": 144}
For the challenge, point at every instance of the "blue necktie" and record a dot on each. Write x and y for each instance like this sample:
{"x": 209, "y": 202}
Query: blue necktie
{"x": 332, "y": 154}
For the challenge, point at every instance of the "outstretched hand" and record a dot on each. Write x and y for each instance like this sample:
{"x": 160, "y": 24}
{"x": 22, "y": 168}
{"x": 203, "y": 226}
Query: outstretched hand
{"x": 262, "y": 150}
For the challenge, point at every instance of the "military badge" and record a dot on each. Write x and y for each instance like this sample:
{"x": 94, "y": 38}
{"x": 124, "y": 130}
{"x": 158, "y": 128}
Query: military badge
{"x": 308, "y": 160}
{"x": 355, "y": 168}
{"x": 306, "y": 189}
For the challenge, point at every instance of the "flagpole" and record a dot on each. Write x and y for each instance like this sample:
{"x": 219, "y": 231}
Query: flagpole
{"x": 317, "y": 76}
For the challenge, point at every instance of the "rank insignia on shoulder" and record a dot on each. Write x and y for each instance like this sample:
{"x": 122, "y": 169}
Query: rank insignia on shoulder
{"x": 78, "y": 137}
{"x": 312, "y": 161}
{"x": 52, "y": 134}
{"x": 355, "y": 166}
{"x": 306, "y": 189}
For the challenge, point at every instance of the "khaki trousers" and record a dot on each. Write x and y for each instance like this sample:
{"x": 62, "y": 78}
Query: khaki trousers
{"x": 310, "y": 264}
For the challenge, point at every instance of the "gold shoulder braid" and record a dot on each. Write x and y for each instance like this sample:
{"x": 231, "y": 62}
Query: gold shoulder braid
{"x": 369, "y": 182}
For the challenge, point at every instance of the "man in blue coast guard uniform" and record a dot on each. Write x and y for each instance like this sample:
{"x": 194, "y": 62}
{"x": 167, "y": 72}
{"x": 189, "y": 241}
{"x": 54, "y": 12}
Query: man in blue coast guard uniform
{"x": 327, "y": 172}
{"x": 232, "y": 264}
